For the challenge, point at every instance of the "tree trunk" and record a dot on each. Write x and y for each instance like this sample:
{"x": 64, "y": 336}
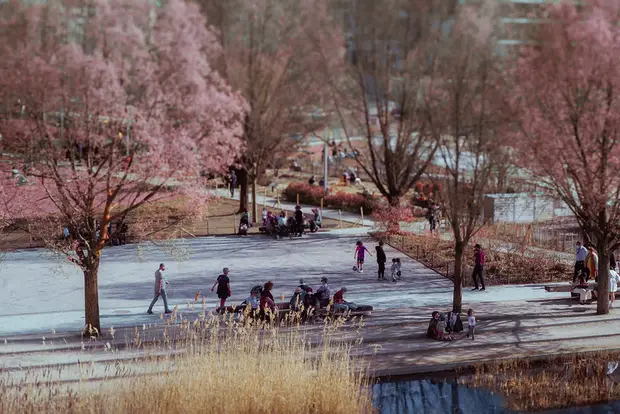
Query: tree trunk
{"x": 393, "y": 223}
{"x": 457, "y": 296}
{"x": 394, "y": 201}
{"x": 602, "y": 301}
{"x": 91, "y": 297}
{"x": 254, "y": 203}
{"x": 243, "y": 189}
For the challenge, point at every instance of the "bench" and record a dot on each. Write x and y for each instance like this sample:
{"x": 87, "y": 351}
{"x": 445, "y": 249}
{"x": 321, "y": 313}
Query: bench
{"x": 284, "y": 308}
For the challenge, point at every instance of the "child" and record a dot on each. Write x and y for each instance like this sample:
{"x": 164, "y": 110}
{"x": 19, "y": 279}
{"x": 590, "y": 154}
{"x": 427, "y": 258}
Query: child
{"x": 471, "y": 322}
{"x": 360, "y": 252}
{"x": 395, "y": 269}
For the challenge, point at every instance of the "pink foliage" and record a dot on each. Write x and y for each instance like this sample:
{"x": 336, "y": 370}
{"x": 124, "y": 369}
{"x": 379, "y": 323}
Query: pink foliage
{"x": 130, "y": 86}
{"x": 567, "y": 97}
{"x": 340, "y": 200}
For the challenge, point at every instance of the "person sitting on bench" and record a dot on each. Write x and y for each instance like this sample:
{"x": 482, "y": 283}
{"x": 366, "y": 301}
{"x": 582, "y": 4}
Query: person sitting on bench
{"x": 267, "y": 303}
{"x": 297, "y": 301}
{"x": 323, "y": 293}
{"x": 340, "y": 303}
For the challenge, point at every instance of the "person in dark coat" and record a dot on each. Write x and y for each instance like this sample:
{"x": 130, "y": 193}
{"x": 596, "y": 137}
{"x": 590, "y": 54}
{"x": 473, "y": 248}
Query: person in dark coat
{"x": 381, "y": 259}
{"x": 299, "y": 220}
{"x": 223, "y": 287}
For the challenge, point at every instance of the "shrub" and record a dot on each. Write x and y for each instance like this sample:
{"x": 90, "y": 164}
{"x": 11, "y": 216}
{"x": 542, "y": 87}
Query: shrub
{"x": 350, "y": 202}
{"x": 309, "y": 194}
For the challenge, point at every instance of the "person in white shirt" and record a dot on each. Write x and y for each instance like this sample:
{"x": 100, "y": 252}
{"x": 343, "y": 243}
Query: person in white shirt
{"x": 614, "y": 278}
{"x": 580, "y": 257}
{"x": 471, "y": 322}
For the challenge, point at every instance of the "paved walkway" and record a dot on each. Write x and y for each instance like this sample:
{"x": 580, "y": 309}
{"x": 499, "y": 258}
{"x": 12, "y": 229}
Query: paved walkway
{"x": 417, "y": 227}
{"x": 392, "y": 341}
{"x": 46, "y": 294}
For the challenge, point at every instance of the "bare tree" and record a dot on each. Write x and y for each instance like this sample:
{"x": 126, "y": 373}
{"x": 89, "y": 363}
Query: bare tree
{"x": 466, "y": 116}
{"x": 378, "y": 92}
{"x": 270, "y": 58}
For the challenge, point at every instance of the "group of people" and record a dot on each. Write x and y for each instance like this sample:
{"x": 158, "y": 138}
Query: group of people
{"x": 587, "y": 268}
{"x": 280, "y": 225}
{"x": 443, "y": 328}
{"x": 261, "y": 302}
{"x": 305, "y": 300}
{"x": 360, "y": 255}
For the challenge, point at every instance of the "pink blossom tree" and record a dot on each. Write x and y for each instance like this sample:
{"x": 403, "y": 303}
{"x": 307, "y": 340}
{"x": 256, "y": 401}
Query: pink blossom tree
{"x": 108, "y": 105}
{"x": 567, "y": 94}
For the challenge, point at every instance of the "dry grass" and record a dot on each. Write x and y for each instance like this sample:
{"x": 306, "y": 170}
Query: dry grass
{"x": 503, "y": 266}
{"x": 559, "y": 382}
{"x": 222, "y": 368}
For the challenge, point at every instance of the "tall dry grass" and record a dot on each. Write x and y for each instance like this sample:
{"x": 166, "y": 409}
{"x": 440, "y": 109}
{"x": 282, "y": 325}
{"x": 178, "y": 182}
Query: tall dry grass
{"x": 224, "y": 367}
{"x": 553, "y": 383}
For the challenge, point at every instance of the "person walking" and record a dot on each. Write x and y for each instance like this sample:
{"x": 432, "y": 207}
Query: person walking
{"x": 381, "y": 259}
{"x": 360, "y": 253}
{"x": 478, "y": 267}
{"x": 580, "y": 259}
{"x": 233, "y": 183}
{"x": 160, "y": 289}
{"x": 223, "y": 287}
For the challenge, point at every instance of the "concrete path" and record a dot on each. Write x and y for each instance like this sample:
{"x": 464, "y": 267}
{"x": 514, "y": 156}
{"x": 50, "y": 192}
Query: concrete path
{"x": 392, "y": 341}
{"x": 45, "y": 293}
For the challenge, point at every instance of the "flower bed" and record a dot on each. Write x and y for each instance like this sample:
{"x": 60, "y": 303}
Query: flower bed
{"x": 309, "y": 194}
{"x": 503, "y": 266}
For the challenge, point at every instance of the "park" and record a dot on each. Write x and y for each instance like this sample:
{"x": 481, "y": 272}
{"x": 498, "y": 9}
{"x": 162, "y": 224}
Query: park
{"x": 320, "y": 206}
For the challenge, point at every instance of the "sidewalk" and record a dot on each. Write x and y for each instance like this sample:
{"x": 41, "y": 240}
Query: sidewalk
{"x": 393, "y": 342}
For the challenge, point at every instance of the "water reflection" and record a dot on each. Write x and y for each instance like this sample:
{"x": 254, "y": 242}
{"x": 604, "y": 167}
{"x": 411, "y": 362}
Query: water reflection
{"x": 433, "y": 397}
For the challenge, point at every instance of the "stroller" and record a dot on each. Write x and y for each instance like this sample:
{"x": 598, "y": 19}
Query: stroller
{"x": 315, "y": 224}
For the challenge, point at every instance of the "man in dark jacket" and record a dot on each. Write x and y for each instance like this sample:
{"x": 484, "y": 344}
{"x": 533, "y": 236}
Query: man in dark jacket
{"x": 299, "y": 220}
{"x": 381, "y": 259}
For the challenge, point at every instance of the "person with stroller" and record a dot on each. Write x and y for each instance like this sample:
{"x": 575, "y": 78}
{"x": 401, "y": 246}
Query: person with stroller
{"x": 244, "y": 223}
{"x": 317, "y": 222}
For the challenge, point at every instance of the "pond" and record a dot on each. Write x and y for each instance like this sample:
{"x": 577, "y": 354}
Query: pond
{"x": 448, "y": 397}
{"x": 435, "y": 397}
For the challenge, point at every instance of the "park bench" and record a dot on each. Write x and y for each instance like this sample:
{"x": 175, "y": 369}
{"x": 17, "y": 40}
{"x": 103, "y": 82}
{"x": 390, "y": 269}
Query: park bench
{"x": 284, "y": 309}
